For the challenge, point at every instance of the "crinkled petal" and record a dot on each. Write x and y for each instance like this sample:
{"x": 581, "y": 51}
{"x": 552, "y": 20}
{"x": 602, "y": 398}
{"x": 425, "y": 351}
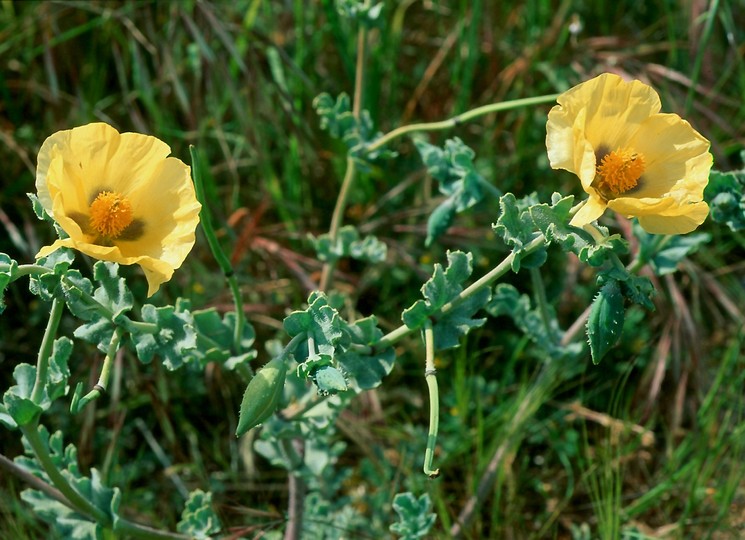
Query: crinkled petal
{"x": 568, "y": 147}
{"x": 599, "y": 114}
{"x": 76, "y": 165}
{"x": 676, "y": 157}
{"x": 590, "y": 211}
{"x": 631, "y": 206}
{"x": 684, "y": 220}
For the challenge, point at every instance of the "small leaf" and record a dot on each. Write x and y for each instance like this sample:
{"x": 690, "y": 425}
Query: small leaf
{"x": 725, "y": 194}
{"x": 456, "y": 173}
{"x": 443, "y": 287}
{"x": 175, "y": 339}
{"x": 17, "y": 399}
{"x": 329, "y": 380}
{"x": 516, "y": 226}
{"x": 47, "y": 286}
{"x": 605, "y": 324}
{"x": 198, "y": 519}
{"x": 414, "y": 516}
{"x": 319, "y": 321}
{"x": 112, "y": 291}
{"x": 365, "y": 371}
{"x": 8, "y": 268}
{"x": 349, "y": 244}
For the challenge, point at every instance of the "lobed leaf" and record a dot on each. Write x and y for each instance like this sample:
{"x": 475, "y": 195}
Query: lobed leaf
{"x": 458, "y": 179}
{"x": 725, "y": 194}
{"x": 8, "y": 268}
{"x": 349, "y": 244}
{"x": 415, "y": 518}
{"x": 65, "y": 522}
{"x": 443, "y": 287}
{"x": 198, "y": 519}
{"x": 47, "y": 286}
{"x": 175, "y": 339}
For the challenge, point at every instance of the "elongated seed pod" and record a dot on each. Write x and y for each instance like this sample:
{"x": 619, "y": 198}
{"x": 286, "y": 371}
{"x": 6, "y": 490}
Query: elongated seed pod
{"x": 262, "y": 395}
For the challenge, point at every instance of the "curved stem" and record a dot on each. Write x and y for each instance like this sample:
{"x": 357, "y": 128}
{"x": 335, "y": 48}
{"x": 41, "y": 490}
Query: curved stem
{"x": 28, "y": 269}
{"x": 434, "y": 400}
{"x": 460, "y": 119}
{"x": 349, "y": 176}
{"x": 128, "y": 529}
{"x": 103, "y": 379}
{"x": 336, "y": 219}
{"x": 498, "y": 271}
{"x": 45, "y": 351}
{"x": 79, "y": 502}
{"x": 217, "y": 252}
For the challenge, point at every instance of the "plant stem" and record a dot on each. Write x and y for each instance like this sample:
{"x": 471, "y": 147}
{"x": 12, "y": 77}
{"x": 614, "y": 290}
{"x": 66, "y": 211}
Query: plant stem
{"x": 103, "y": 379}
{"x": 79, "y": 502}
{"x": 34, "y": 481}
{"x": 45, "y": 351}
{"x": 126, "y": 529}
{"x": 434, "y": 400}
{"x": 294, "y": 451}
{"x": 457, "y": 120}
{"x": 498, "y": 271}
{"x": 217, "y": 252}
{"x": 27, "y": 269}
{"x": 351, "y": 171}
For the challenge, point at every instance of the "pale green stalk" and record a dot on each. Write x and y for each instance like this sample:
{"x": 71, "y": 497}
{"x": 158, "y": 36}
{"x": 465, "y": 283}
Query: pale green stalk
{"x": 486, "y": 280}
{"x": 45, "y": 351}
{"x": 457, "y": 120}
{"x": 434, "y": 400}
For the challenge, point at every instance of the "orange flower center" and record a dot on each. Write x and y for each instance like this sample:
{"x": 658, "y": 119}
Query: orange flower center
{"x": 618, "y": 172}
{"x": 110, "y": 214}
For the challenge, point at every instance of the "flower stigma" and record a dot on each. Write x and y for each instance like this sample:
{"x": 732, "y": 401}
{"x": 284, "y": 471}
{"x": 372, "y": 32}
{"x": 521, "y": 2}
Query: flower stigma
{"x": 618, "y": 172}
{"x": 110, "y": 214}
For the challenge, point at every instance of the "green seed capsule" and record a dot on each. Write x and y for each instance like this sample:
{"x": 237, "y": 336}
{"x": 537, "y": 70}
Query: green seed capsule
{"x": 262, "y": 395}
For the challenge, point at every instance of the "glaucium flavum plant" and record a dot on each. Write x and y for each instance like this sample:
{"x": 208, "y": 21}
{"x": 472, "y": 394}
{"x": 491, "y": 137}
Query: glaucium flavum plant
{"x": 119, "y": 198}
{"x": 630, "y": 157}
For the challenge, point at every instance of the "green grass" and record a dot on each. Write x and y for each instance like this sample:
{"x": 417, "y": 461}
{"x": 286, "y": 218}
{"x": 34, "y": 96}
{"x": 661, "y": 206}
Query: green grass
{"x": 237, "y": 79}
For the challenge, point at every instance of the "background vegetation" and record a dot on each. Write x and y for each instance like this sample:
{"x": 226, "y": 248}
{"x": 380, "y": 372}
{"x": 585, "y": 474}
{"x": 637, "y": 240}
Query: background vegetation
{"x": 648, "y": 444}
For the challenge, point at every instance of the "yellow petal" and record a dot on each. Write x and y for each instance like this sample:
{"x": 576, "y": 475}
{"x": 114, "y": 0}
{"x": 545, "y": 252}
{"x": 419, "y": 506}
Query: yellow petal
{"x": 76, "y": 165}
{"x": 676, "y": 156}
{"x": 689, "y": 218}
{"x": 568, "y": 147}
{"x": 632, "y": 206}
{"x": 615, "y": 108}
{"x": 602, "y": 113}
{"x": 590, "y": 211}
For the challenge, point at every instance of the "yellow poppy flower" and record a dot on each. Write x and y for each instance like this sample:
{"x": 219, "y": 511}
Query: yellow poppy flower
{"x": 119, "y": 197}
{"x": 630, "y": 157}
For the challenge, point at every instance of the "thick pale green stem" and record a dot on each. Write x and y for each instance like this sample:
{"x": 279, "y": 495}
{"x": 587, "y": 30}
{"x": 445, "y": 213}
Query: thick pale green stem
{"x": 457, "y": 120}
{"x": 103, "y": 379}
{"x": 486, "y": 280}
{"x": 80, "y": 503}
{"x": 45, "y": 351}
{"x": 434, "y": 400}
{"x": 351, "y": 172}
{"x": 336, "y": 219}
